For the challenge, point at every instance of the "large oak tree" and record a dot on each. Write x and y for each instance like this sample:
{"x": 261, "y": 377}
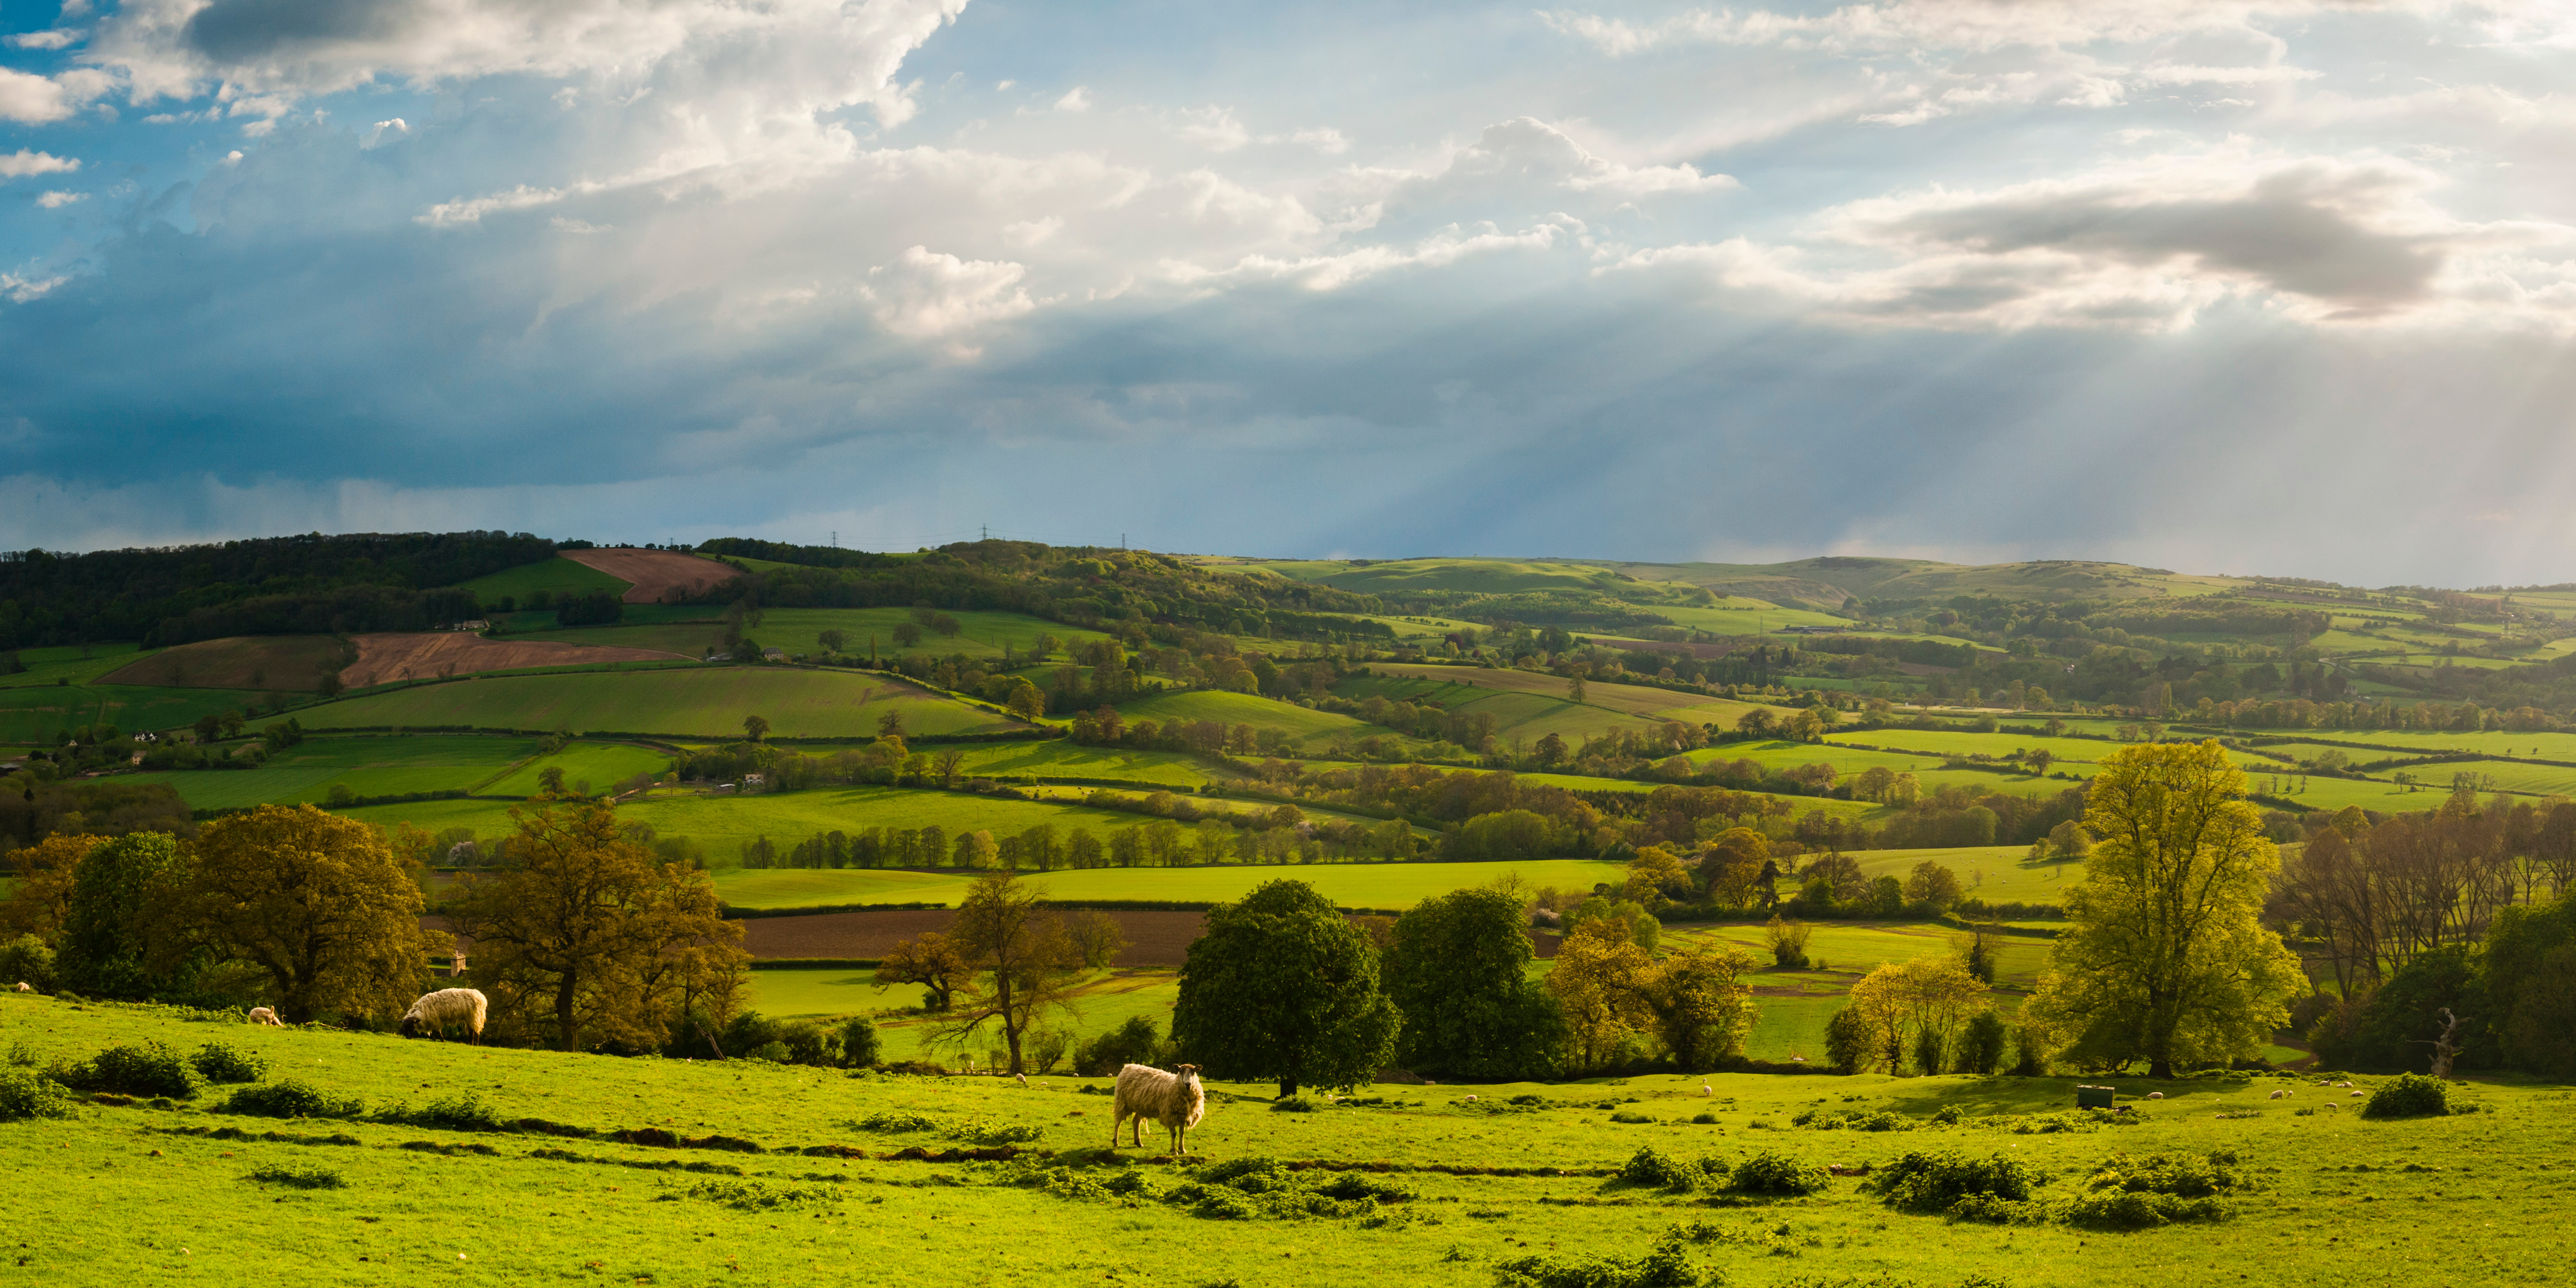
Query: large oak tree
{"x": 319, "y": 903}
{"x": 1282, "y": 987}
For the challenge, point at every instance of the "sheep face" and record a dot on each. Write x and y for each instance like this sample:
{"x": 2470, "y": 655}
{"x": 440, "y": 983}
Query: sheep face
{"x": 411, "y": 1026}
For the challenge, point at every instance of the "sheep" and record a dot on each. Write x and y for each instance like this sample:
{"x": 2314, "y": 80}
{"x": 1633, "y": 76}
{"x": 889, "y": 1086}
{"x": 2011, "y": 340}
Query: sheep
{"x": 263, "y": 1015}
{"x": 1024, "y": 1078}
{"x": 2278, "y": 1094}
{"x": 435, "y": 1011}
{"x": 1176, "y": 1100}
{"x": 1706, "y": 1090}
{"x": 2155, "y": 1095}
{"x": 2356, "y": 1095}
{"x": 25, "y": 987}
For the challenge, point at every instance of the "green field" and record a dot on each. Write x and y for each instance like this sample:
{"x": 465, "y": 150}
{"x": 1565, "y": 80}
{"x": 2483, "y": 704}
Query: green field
{"x": 1057, "y": 758}
{"x": 603, "y": 765}
{"x": 1611, "y": 698}
{"x": 70, "y": 662}
{"x": 707, "y": 702}
{"x": 1995, "y": 873}
{"x": 799, "y": 631}
{"x": 366, "y": 765}
{"x": 1350, "y": 885}
{"x": 34, "y": 714}
{"x": 558, "y": 575}
{"x": 2499, "y": 744}
{"x": 1303, "y": 726}
{"x": 116, "y": 1195}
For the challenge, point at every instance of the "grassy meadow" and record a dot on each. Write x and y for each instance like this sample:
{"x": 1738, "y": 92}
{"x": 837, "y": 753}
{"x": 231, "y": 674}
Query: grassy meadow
{"x": 708, "y": 702}
{"x": 415, "y": 1204}
{"x": 34, "y": 713}
{"x": 799, "y": 631}
{"x": 367, "y": 766}
{"x": 1301, "y": 725}
{"x": 1349, "y": 885}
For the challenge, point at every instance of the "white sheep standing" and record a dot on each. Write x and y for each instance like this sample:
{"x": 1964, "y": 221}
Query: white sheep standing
{"x": 2155, "y": 1095}
{"x": 435, "y": 1011}
{"x": 263, "y": 1015}
{"x": 2278, "y": 1094}
{"x": 1176, "y": 1100}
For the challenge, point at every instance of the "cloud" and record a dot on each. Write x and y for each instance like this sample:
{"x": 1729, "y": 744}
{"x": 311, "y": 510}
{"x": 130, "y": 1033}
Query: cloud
{"x": 1077, "y": 99}
{"x": 58, "y": 199}
{"x": 925, "y": 293}
{"x": 31, "y": 100}
{"x": 2149, "y": 246}
{"x": 21, "y": 163}
{"x": 58, "y": 38}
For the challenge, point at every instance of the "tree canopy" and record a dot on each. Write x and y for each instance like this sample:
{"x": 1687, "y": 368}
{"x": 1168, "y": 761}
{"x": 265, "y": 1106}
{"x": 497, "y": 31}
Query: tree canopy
{"x": 2164, "y": 959}
{"x": 1458, "y": 971}
{"x": 1281, "y": 987}
{"x": 318, "y": 903}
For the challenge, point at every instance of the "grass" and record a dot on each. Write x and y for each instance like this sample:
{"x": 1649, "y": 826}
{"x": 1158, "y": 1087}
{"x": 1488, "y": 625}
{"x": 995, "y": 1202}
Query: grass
{"x": 33, "y": 714}
{"x": 1618, "y": 699}
{"x": 366, "y": 765}
{"x": 101, "y": 1206}
{"x": 709, "y": 702}
{"x": 800, "y": 630}
{"x": 601, "y": 764}
{"x": 1349, "y": 885}
{"x": 559, "y": 575}
{"x": 69, "y": 662}
{"x": 2499, "y": 744}
{"x": 1057, "y": 758}
{"x": 1995, "y": 873}
{"x": 290, "y": 662}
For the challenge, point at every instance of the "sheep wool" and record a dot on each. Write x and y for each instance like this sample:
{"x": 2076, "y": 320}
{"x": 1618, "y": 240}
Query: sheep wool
{"x": 1175, "y": 1100}
{"x": 436, "y": 1012}
{"x": 265, "y": 1016}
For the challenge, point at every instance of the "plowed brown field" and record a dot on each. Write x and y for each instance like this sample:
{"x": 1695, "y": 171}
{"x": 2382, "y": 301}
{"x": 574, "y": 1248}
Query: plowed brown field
{"x": 653, "y": 573}
{"x": 383, "y": 659}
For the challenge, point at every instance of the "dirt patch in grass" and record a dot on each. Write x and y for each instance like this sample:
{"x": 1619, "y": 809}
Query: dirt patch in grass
{"x": 383, "y": 659}
{"x": 656, "y": 575}
{"x": 295, "y": 663}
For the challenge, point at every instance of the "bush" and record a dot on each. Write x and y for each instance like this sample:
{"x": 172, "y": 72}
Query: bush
{"x": 152, "y": 1069}
{"x": 809, "y": 1043}
{"x": 292, "y": 1099}
{"x": 773, "y": 1052}
{"x": 24, "y": 1095}
{"x": 1664, "y": 1267}
{"x": 27, "y": 959}
{"x": 2160, "y": 1189}
{"x": 2410, "y": 1095}
{"x": 1134, "y": 1042}
{"x": 1981, "y": 1046}
{"x": 463, "y": 1111}
{"x": 1292, "y": 1105}
{"x": 310, "y": 1178}
{"x": 750, "y": 1031}
{"x": 1931, "y": 1053}
{"x": 220, "y": 1063}
{"x": 860, "y": 1046}
{"x": 1847, "y": 1043}
{"x": 1772, "y": 1172}
{"x": 1952, "y": 1184}
{"x": 1630, "y": 1116}
{"x": 1647, "y": 1167}
{"x": 2030, "y": 1051}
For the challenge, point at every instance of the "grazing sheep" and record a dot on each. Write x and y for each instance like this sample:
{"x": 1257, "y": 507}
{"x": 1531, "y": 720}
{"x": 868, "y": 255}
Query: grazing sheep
{"x": 2277, "y": 1095}
{"x": 2155, "y": 1095}
{"x": 1705, "y": 1090}
{"x": 1471, "y": 1100}
{"x": 25, "y": 987}
{"x": 1176, "y": 1100}
{"x": 1024, "y": 1078}
{"x": 263, "y": 1015}
{"x": 434, "y": 1012}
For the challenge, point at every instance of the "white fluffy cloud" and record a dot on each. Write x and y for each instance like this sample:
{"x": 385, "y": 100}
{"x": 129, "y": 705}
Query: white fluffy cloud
{"x": 926, "y": 293}
{"x": 24, "y": 162}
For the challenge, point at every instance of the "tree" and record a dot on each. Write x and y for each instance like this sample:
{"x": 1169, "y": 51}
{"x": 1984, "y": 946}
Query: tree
{"x": 1788, "y": 941}
{"x": 1732, "y": 863}
{"x": 1281, "y": 987}
{"x": 890, "y": 725}
{"x": 2164, "y": 958}
{"x": 1700, "y": 1008}
{"x": 115, "y": 892}
{"x": 1457, "y": 968}
{"x": 1097, "y": 937}
{"x": 833, "y": 641}
{"x": 1933, "y": 883}
{"x": 1655, "y": 876}
{"x": 1574, "y": 688}
{"x": 1022, "y": 958}
{"x": 907, "y": 634}
{"x": 1598, "y": 985}
{"x": 588, "y": 932}
{"x": 320, "y": 904}
{"x": 209, "y": 726}
{"x": 1918, "y": 1003}
{"x": 950, "y": 765}
{"x": 41, "y": 900}
{"x": 755, "y": 728}
{"x": 930, "y": 959}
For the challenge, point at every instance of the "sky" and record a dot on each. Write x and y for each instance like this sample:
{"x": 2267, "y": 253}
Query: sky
{"x": 2283, "y": 288}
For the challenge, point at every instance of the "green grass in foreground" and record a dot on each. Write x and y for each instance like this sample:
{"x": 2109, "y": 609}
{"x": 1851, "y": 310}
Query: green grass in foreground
{"x": 96, "y": 1204}
{"x": 709, "y": 701}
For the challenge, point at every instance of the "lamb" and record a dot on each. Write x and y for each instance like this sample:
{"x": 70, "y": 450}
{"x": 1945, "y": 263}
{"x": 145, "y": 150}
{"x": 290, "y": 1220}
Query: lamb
{"x": 263, "y": 1015}
{"x": 435, "y": 1011}
{"x": 1176, "y": 1100}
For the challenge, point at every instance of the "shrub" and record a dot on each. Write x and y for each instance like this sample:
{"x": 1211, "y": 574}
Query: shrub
{"x": 749, "y": 1031}
{"x": 1292, "y": 1105}
{"x": 1950, "y": 1183}
{"x": 292, "y": 1099}
{"x": 2030, "y": 1051}
{"x": 220, "y": 1063}
{"x": 463, "y": 1111}
{"x": 1703, "y": 1119}
{"x": 1772, "y": 1172}
{"x": 1931, "y": 1051}
{"x": 809, "y": 1043}
{"x": 1663, "y": 1267}
{"x": 1847, "y": 1042}
{"x": 1046, "y": 1049}
{"x": 153, "y": 1069}
{"x": 2410, "y": 1095}
{"x": 860, "y": 1046}
{"x": 1134, "y": 1042}
{"x": 1626, "y": 1116}
{"x": 1647, "y": 1167}
{"x": 309, "y": 1178}
{"x": 752, "y": 1196}
{"x": 898, "y": 1122}
{"x": 27, "y": 959}
{"x": 773, "y": 1052}
{"x": 24, "y": 1095}
{"x": 1981, "y": 1046}
{"x": 2127, "y": 1193}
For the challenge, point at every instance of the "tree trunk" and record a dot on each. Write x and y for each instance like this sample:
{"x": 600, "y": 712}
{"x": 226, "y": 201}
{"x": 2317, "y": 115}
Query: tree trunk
{"x": 2160, "y": 1067}
{"x": 564, "y": 990}
{"x": 1287, "y": 1088}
